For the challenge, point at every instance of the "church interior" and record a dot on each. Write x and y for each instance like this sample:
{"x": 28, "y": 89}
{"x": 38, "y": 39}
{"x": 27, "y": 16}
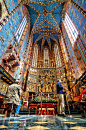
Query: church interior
{"x": 41, "y": 42}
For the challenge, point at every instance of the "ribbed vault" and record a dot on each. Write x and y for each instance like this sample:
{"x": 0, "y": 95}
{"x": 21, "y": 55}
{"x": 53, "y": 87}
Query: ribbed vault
{"x": 45, "y": 20}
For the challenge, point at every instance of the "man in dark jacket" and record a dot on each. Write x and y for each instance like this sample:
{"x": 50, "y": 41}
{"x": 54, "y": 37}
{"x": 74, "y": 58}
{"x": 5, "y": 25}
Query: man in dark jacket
{"x": 60, "y": 96}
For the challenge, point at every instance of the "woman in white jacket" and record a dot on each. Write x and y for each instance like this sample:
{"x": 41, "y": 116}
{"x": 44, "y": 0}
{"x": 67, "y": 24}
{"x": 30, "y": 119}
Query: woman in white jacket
{"x": 12, "y": 97}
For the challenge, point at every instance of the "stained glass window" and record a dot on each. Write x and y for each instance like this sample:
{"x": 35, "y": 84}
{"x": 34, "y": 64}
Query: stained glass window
{"x": 35, "y": 56}
{"x": 70, "y": 28}
{"x": 57, "y": 56}
{"x": 21, "y": 29}
{"x": 46, "y": 57}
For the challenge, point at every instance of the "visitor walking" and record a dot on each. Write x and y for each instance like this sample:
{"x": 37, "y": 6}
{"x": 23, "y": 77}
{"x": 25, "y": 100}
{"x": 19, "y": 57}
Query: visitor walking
{"x": 60, "y": 98}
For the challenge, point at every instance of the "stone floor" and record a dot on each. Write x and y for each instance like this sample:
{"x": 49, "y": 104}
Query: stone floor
{"x": 42, "y": 122}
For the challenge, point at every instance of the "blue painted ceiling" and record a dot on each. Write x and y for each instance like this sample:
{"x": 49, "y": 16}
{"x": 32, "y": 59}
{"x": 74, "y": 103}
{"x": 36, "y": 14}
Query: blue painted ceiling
{"x": 45, "y": 20}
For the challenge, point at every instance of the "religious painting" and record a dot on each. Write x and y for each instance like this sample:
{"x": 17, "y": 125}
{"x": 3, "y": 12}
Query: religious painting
{"x": 32, "y": 80}
{"x": 3, "y": 87}
{"x": 31, "y": 87}
{"x": 46, "y": 80}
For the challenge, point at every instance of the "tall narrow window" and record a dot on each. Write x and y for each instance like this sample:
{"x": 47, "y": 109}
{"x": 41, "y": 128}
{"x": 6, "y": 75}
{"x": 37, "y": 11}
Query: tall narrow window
{"x": 57, "y": 56}
{"x": 46, "y": 57}
{"x": 71, "y": 29}
{"x": 21, "y": 29}
{"x": 35, "y": 56}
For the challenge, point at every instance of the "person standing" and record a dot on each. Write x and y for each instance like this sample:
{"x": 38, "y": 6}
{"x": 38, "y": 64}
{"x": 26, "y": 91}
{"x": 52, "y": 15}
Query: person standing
{"x": 12, "y": 97}
{"x": 82, "y": 99}
{"x": 60, "y": 96}
{"x": 83, "y": 93}
{"x": 18, "y": 106}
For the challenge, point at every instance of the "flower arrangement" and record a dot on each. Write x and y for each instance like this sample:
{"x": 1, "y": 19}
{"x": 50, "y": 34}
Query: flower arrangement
{"x": 38, "y": 99}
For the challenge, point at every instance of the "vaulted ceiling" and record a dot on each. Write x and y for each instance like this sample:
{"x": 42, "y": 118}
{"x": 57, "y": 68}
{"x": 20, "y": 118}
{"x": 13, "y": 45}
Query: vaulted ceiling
{"x": 45, "y": 20}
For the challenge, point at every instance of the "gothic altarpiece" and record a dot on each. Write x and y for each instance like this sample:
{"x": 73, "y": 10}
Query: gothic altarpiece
{"x": 44, "y": 78}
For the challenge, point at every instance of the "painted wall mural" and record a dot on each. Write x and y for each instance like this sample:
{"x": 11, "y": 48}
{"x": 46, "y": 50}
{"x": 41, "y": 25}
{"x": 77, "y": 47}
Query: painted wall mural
{"x": 16, "y": 74}
{"x": 72, "y": 55}
{"x": 23, "y": 10}
{"x": 8, "y": 31}
{"x": 3, "y": 87}
{"x": 4, "y": 11}
{"x": 79, "y": 20}
{"x": 81, "y": 50}
{"x": 11, "y": 4}
{"x": 82, "y": 3}
{"x": 23, "y": 48}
